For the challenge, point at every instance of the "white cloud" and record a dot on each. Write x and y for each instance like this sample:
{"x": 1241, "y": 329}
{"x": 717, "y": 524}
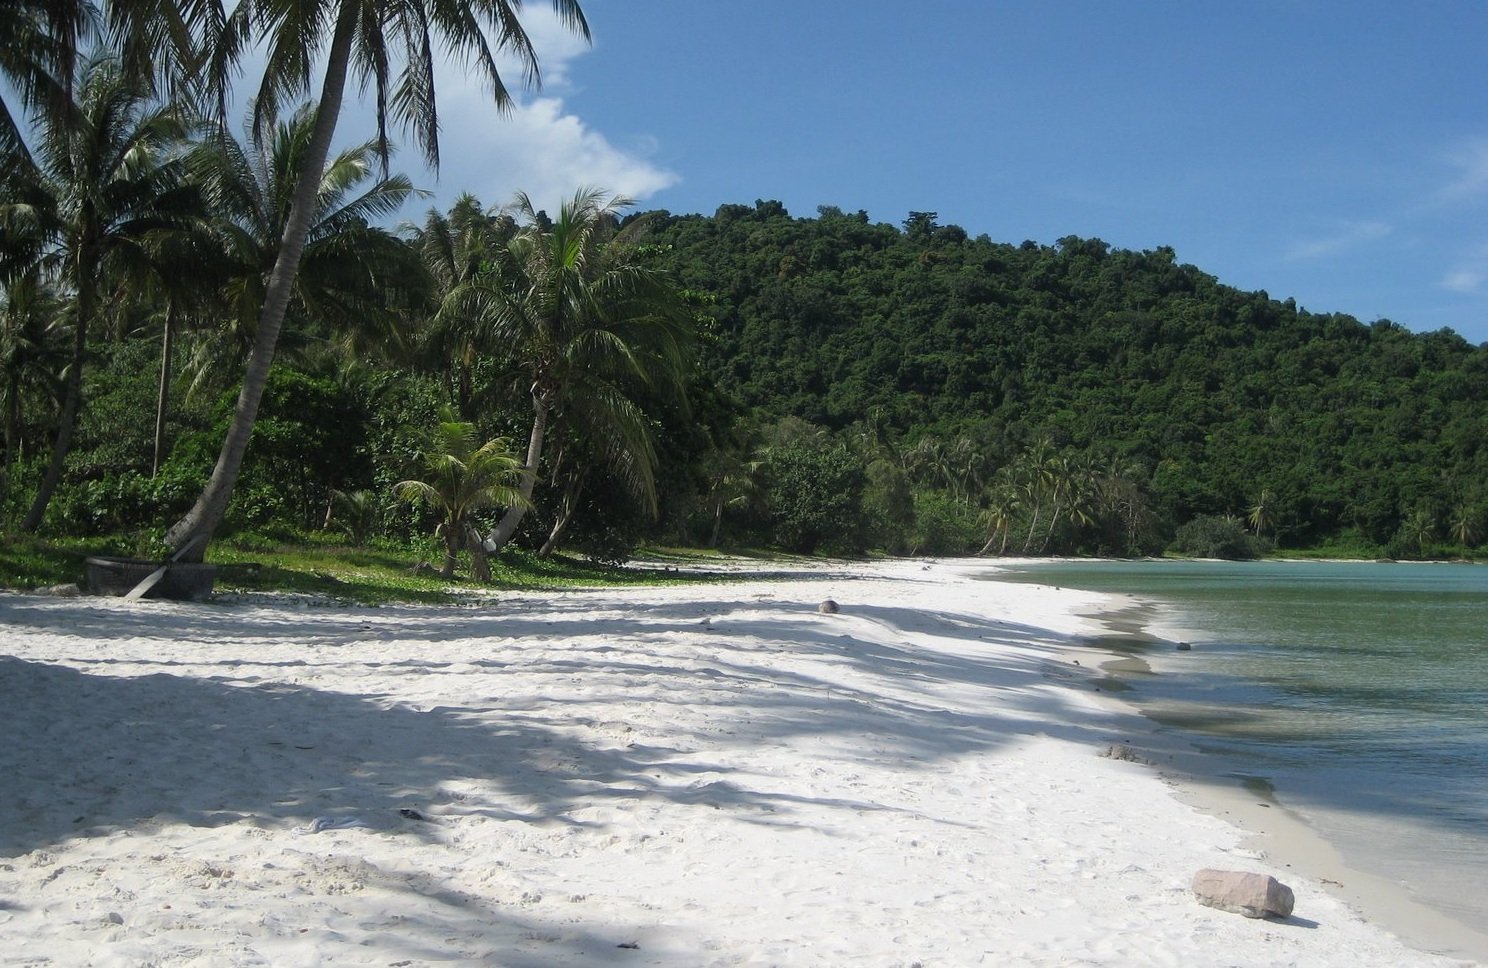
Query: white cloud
{"x": 539, "y": 146}
{"x": 1347, "y": 235}
{"x": 1469, "y": 273}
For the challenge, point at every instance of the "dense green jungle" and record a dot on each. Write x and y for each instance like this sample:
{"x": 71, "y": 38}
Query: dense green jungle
{"x": 845, "y": 386}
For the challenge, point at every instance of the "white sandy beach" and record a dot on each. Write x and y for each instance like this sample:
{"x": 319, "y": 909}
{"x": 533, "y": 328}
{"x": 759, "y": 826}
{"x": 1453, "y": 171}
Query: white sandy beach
{"x": 711, "y": 774}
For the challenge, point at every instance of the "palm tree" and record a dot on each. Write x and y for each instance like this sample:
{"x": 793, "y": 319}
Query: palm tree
{"x": 352, "y": 268}
{"x": 363, "y": 37}
{"x": 175, "y": 275}
{"x": 1074, "y": 487}
{"x": 455, "y": 249}
{"x": 39, "y": 42}
{"x": 1002, "y": 508}
{"x": 1464, "y": 525}
{"x": 1035, "y": 474}
{"x": 733, "y": 480}
{"x": 32, "y": 356}
{"x": 104, "y": 177}
{"x": 1418, "y": 530}
{"x": 585, "y": 326}
{"x": 1262, "y": 515}
{"x": 463, "y": 479}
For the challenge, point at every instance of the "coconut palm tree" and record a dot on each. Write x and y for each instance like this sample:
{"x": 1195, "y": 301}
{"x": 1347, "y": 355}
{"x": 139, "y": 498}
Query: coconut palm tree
{"x": 1035, "y": 476}
{"x": 584, "y": 325}
{"x": 1004, "y": 500}
{"x": 39, "y": 42}
{"x": 464, "y": 478}
{"x": 1418, "y": 530}
{"x": 455, "y": 250}
{"x": 353, "y": 269}
{"x": 1464, "y": 525}
{"x": 1261, "y": 516}
{"x": 32, "y": 357}
{"x": 365, "y": 38}
{"x": 105, "y": 174}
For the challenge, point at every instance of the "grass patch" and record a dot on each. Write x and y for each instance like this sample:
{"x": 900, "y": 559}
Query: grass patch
{"x": 28, "y": 562}
{"x": 321, "y": 566}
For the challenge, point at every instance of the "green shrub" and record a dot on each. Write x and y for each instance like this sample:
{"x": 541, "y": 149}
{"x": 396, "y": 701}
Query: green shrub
{"x": 945, "y": 526}
{"x": 815, "y": 498}
{"x": 1216, "y": 536}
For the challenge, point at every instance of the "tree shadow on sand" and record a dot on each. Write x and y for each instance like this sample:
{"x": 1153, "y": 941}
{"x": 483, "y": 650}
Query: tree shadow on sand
{"x": 130, "y": 723}
{"x": 253, "y": 745}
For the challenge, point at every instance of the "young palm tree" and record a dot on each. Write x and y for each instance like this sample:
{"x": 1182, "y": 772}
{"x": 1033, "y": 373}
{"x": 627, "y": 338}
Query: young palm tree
{"x": 463, "y": 479}
{"x": 365, "y": 38}
{"x": 582, "y": 323}
{"x": 104, "y": 177}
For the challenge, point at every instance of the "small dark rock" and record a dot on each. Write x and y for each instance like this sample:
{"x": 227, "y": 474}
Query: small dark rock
{"x": 1184, "y": 647}
{"x": 409, "y": 813}
{"x": 828, "y": 607}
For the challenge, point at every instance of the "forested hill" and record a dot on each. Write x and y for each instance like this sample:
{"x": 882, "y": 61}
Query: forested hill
{"x": 1216, "y": 395}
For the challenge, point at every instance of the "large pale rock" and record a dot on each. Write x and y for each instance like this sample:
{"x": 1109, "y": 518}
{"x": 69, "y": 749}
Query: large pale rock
{"x": 1253, "y": 895}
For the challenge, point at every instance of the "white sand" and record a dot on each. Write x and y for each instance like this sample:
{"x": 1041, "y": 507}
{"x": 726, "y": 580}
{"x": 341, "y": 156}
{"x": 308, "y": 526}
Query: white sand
{"x": 709, "y": 774}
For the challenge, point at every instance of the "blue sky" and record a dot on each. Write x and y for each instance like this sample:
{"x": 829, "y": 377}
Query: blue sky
{"x": 1333, "y": 152}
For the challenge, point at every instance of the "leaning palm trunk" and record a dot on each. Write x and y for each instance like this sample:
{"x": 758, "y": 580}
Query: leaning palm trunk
{"x": 1028, "y": 539}
{"x": 206, "y": 515}
{"x": 509, "y": 522}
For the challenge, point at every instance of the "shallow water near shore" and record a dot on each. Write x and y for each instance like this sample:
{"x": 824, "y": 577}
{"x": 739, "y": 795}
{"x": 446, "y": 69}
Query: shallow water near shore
{"x": 1355, "y": 691}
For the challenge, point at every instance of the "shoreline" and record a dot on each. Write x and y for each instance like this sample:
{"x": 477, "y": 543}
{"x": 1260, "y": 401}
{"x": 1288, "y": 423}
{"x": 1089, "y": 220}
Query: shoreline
{"x": 709, "y": 774}
{"x": 1254, "y": 804}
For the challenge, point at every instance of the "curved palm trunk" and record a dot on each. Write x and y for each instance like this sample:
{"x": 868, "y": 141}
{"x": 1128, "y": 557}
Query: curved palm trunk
{"x": 507, "y": 526}
{"x": 206, "y": 515}
{"x": 72, "y": 401}
{"x": 566, "y": 509}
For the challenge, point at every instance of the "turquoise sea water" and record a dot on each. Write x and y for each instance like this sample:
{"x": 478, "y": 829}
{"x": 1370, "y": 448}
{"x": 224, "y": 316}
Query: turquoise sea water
{"x": 1358, "y": 690}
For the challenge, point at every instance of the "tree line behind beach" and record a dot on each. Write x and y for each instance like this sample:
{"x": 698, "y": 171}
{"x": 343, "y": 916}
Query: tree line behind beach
{"x": 594, "y": 379}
